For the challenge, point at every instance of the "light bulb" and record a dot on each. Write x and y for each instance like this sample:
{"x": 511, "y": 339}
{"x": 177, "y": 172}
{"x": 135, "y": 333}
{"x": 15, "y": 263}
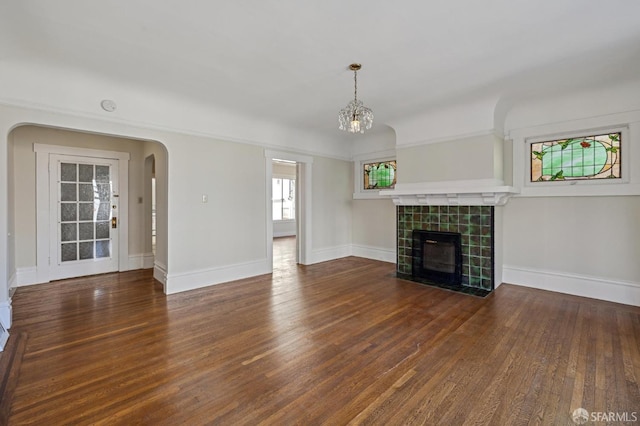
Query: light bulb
{"x": 355, "y": 126}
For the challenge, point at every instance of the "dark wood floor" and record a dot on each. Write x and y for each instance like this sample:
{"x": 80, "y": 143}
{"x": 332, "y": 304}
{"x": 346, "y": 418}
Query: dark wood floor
{"x": 334, "y": 343}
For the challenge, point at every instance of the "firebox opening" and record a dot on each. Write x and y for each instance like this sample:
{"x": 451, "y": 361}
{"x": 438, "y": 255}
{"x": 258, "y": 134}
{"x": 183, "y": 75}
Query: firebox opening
{"x": 437, "y": 256}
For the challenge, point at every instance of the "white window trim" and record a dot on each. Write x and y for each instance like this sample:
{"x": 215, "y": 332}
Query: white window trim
{"x": 629, "y": 184}
{"x": 359, "y": 193}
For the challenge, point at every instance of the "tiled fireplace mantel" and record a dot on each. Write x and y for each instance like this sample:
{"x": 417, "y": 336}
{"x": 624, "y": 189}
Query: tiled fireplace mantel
{"x": 477, "y": 192}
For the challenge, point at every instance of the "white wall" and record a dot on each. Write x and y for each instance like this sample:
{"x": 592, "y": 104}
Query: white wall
{"x": 585, "y": 245}
{"x": 11, "y": 224}
{"x": 331, "y": 208}
{"x": 224, "y": 238}
{"x": 374, "y": 220}
{"x": 476, "y": 157}
{"x": 284, "y": 228}
{"x": 374, "y": 229}
{"x": 589, "y": 236}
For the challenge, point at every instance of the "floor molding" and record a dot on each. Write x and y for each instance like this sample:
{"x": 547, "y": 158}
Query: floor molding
{"x": 141, "y": 261}
{"x": 375, "y": 253}
{"x": 160, "y": 273}
{"x": 205, "y": 277}
{"x": 4, "y": 337}
{"x": 27, "y": 276}
{"x": 625, "y": 292}
{"x": 5, "y": 314}
{"x": 330, "y": 253}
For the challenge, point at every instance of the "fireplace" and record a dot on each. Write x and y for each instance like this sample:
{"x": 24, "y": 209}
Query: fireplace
{"x": 437, "y": 256}
{"x": 475, "y": 224}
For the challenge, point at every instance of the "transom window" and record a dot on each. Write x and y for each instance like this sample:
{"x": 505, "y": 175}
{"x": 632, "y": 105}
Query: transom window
{"x": 579, "y": 158}
{"x": 379, "y": 175}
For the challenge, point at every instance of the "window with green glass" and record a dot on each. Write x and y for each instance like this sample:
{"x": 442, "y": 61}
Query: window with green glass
{"x": 581, "y": 158}
{"x": 379, "y": 175}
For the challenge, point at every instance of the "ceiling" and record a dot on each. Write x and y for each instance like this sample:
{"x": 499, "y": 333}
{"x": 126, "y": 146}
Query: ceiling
{"x": 287, "y": 61}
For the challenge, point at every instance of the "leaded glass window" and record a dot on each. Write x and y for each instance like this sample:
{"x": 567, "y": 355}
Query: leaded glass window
{"x": 379, "y": 175}
{"x": 580, "y": 158}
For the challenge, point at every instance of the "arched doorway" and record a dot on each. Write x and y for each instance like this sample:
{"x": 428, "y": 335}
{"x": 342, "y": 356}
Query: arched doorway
{"x": 32, "y": 243}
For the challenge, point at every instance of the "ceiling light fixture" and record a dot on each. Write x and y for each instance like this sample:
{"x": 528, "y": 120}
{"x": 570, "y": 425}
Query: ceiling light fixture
{"x": 355, "y": 117}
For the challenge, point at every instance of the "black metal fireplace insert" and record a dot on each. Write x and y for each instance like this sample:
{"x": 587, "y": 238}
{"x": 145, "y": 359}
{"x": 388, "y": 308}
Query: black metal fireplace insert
{"x": 437, "y": 257}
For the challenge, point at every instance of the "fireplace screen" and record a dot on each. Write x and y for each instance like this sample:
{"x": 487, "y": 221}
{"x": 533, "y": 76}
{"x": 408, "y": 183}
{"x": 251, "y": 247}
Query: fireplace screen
{"x": 437, "y": 256}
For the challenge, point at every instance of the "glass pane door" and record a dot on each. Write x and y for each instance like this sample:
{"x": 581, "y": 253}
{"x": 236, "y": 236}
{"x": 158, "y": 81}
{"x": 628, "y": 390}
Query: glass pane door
{"x": 85, "y": 211}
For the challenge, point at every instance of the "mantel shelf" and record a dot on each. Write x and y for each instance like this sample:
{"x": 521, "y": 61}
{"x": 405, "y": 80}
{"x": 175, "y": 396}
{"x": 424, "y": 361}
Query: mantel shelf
{"x": 484, "y": 192}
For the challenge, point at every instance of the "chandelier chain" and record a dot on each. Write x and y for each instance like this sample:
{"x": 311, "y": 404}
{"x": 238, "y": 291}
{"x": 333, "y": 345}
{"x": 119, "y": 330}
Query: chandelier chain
{"x": 355, "y": 85}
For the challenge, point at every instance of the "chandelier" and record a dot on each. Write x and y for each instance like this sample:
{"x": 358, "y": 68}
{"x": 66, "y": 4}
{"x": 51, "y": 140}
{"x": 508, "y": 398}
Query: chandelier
{"x": 355, "y": 117}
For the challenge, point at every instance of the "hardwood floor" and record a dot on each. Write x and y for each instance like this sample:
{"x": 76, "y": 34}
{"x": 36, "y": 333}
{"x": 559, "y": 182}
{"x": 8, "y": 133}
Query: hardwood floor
{"x": 341, "y": 342}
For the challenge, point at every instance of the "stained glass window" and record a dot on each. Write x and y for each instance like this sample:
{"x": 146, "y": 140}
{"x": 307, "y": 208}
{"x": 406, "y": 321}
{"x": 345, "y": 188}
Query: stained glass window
{"x": 580, "y": 158}
{"x": 379, "y": 175}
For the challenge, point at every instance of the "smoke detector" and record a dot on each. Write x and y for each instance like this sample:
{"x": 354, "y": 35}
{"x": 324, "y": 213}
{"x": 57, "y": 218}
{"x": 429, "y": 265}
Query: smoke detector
{"x": 108, "y": 105}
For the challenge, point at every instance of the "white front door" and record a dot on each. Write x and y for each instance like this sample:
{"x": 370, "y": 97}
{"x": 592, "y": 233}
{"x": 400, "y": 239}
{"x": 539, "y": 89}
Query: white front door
{"x": 83, "y": 215}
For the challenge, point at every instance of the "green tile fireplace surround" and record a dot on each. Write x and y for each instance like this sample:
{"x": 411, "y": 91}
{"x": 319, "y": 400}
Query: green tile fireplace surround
{"x": 474, "y": 223}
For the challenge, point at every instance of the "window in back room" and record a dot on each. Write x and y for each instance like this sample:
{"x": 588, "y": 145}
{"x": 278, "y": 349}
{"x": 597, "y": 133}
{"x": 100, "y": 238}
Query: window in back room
{"x": 284, "y": 201}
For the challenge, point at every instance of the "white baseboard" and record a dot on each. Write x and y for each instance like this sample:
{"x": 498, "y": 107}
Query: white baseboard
{"x": 27, "y": 276}
{"x": 13, "y": 283}
{"x": 329, "y": 253}
{"x": 5, "y": 314}
{"x": 375, "y": 253}
{"x": 141, "y": 261}
{"x": 368, "y": 252}
{"x": 205, "y": 277}
{"x": 4, "y": 336}
{"x": 160, "y": 273}
{"x": 277, "y": 234}
{"x": 625, "y": 292}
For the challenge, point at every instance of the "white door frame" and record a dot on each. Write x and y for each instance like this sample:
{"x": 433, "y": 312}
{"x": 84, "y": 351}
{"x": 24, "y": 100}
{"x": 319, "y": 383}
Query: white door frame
{"x": 43, "y": 225}
{"x": 303, "y": 204}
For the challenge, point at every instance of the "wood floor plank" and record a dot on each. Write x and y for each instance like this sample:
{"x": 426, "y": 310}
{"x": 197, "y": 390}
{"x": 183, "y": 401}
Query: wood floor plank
{"x": 341, "y": 342}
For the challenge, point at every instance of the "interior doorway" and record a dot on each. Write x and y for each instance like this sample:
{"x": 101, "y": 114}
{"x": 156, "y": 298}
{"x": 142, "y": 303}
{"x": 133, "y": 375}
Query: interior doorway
{"x": 80, "y": 194}
{"x": 284, "y": 200}
{"x": 284, "y": 254}
{"x": 150, "y": 210}
{"x": 288, "y": 188}
{"x": 65, "y": 213}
